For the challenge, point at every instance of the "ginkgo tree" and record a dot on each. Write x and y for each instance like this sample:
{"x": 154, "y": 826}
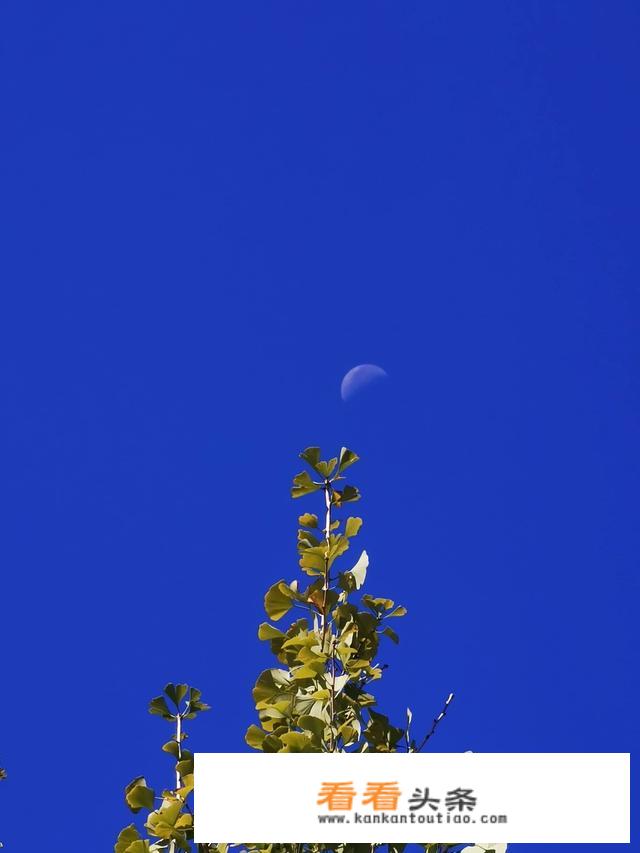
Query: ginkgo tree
{"x": 320, "y": 696}
{"x": 169, "y": 815}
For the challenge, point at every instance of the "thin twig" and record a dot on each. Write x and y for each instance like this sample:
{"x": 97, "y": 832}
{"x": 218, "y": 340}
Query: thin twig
{"x": 436, "y": 722}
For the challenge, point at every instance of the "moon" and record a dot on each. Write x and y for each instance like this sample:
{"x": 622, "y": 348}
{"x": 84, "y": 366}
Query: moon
{"x": 358, "y": 378}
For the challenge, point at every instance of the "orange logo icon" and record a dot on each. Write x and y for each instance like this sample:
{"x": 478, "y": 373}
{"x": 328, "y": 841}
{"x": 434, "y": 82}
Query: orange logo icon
{"x": 337, "y": 795}
{"x": 383, "y": 796}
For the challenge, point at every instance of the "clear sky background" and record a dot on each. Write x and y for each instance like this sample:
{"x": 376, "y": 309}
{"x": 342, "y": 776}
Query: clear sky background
{"x": 211, "y": 211}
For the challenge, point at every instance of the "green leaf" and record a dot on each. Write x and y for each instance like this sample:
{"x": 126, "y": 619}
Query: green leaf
{"x": 187, "y": 786}
{"x": 159, "y": 706}
{"x": 347, "y": 457}
{"x": 312, "y": 560}
{"x": 312, "y": 724}
{"x": 320, "y": 695}
{"x": 277, "y": 601}
{"x": 185, "y": 767}
{"x": 176, "y": 692}
{"x": 399, "y": 611}
{"x": 303, "y": 485}
{"x": 311, "y": 456}
{"x": 377, "y": 604}
{"x": 272, "y": 744}
{"x": 128, "y": 835}
{"x": 268, "y": 632}
{"x": 380, "y": 734}
{"x": 366, "y": 623}
{"x": 347, "y": 495}
{"x": 185, "y": 821}
{"x": 352, "y": 526}
{"x": 308, "y": 519}
{"x": 297, "y": 742}
{"x": 195, "y": 708}
{"x": 389, "y": 632}
{"x": 270, "y": 683}
{"x": 325, "y": 469}
{"x": 194, "y": 705}
{"x": 172, "y": 748}
{"x": 142, "y": 846}
{"x": 255, "y": 737}
{"x": 306, "y": 540}
{"x": 338, "y": 544}
{"x": 307, "y": 670}
{"x": 161, "y": 822}
{"x": 138, "y": 795}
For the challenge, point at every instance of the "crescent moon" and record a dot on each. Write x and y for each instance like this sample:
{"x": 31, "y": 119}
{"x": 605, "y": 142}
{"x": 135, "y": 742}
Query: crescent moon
{"x": 358, "y": 378}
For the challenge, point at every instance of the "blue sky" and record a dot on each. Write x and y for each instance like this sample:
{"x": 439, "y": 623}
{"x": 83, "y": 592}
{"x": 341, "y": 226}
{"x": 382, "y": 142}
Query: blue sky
{"x": 210, "y": 213}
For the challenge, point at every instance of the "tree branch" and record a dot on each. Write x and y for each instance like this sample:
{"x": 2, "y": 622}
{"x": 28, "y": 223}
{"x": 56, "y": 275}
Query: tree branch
{"x": 436, "y": 722}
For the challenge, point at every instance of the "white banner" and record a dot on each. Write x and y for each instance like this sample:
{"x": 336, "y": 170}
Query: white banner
{"x": 480, "y": 798}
